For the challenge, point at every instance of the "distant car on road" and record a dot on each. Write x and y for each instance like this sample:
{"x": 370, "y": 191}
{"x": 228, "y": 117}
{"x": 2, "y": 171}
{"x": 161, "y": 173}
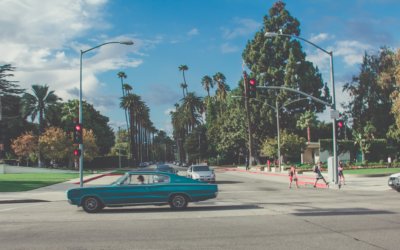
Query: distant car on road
{"x": 394, "y": 182}
{"x": 166, "y": 168}
{"x": 143, "y": 188}
{"x": 201, "y": 173}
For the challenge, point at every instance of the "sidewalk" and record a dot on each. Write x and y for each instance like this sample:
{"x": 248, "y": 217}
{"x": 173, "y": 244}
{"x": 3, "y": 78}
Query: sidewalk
{"x": 306, "y": 179}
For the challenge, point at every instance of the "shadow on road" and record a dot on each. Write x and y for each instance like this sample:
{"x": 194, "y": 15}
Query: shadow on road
{"x": 339, "y": 211}
{"x": 228, "y": 182}
{"x": 189, "y": 209}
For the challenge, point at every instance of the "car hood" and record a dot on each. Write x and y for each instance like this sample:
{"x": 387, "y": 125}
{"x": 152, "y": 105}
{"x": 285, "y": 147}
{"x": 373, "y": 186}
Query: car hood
{"x": 395, "y": 175}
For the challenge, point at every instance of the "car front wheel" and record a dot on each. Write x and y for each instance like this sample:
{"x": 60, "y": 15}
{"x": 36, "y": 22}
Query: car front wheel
{"x": 178, "y": 202}
{"x": 92, "y": 205}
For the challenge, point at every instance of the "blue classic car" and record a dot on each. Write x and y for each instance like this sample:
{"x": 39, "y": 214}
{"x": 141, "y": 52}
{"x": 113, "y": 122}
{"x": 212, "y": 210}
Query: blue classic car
{"x": 143, "y": 188}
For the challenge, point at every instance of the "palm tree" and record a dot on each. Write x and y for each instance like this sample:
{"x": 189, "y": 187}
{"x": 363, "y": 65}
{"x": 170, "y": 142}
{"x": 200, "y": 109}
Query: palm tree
{"x": 122, "y": 76}
{"x": 207, "y": 83}
{"x": 222, "y": 88}
{"x": 184, "y": 86}
{"x": 130, "y": 102}
{"x": 307, "y": 119}
{"x": 127, "y": 88}
{"x": 183, "y": 68}
{"x": 192, "y": 106}
{"x": 38, "y": 105}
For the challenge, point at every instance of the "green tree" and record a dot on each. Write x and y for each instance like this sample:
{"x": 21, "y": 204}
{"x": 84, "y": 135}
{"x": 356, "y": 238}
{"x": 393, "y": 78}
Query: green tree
{"x": 38, "y": 105}
{"x": 280, "y": 61}
{"x": 370, "y": 101}
{"x": 92, "y": 120}
{"x": 11, "y": 124}
{"x": 291, "y": 146}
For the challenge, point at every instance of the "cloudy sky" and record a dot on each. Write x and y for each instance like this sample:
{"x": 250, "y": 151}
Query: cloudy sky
{"x": 43, "y": 39}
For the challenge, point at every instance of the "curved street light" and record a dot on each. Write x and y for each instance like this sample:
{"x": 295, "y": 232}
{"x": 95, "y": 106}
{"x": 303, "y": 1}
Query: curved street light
{"x": 330, "y": 53}
{"x": 128, "y": 42}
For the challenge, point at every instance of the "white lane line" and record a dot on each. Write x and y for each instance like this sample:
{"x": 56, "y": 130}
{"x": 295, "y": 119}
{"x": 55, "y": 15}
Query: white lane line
{"x": 13, "y": 208}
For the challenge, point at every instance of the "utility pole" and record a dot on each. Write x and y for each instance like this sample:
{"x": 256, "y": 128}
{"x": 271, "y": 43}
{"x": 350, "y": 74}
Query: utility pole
{"x": 246, "y": 103}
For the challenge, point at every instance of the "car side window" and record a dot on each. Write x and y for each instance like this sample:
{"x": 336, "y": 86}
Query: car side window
{"x": 137, "y": 179}
{"x": 160, "y": 178}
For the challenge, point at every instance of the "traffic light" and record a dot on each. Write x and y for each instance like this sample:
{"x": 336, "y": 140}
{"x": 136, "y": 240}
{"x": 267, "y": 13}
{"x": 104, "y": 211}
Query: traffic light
{"x": 78, "y": 133}
{"x": 340, "y": 128}
{"x": 77, "y": 152}
{"x": 252, "y": 88}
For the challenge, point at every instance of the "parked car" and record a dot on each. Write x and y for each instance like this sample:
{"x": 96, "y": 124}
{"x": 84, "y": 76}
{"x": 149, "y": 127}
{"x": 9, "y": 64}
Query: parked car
{"x": 143, "y": 188}
{"x": 394, "y": 182}
{"x": 201, "y": 173}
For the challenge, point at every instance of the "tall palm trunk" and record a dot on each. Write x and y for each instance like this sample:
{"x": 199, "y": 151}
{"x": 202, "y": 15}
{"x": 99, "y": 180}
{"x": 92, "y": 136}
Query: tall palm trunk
{"x": 308, "y": 134}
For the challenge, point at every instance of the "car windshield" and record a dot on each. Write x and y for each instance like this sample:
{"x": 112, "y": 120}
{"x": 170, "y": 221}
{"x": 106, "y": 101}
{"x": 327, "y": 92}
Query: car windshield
{"x": 164, "y": 168}
{"x": 120, "y": 180}
{"x": 201, "y": 168}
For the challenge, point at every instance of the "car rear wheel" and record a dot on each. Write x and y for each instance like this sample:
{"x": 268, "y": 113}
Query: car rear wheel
{"x": 92, "y": 205}
{"x": 178, "y": 202}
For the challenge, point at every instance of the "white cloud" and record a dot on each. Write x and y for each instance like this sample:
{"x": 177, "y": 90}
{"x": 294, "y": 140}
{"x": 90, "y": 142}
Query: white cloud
{"x": 351, "y": 51}
{"x": 244, "y": 27}
{"x": 193, "y": 32}
{"x": 41, "y": 41}
{"x": 229, "y": 48}
{"x": 321, "y": 37}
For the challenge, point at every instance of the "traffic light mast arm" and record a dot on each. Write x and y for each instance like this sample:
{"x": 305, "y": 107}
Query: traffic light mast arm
{"x": 297, "y": 91}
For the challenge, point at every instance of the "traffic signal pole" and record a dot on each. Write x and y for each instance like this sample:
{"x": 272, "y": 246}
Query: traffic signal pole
{"x": 246, "y": 103}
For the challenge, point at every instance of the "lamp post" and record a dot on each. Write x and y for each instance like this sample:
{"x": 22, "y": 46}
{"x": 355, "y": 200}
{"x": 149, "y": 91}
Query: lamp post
{"x": 80, "y": 103}
{"x": 330, "y": 53}
{"x": 277, "y": 108}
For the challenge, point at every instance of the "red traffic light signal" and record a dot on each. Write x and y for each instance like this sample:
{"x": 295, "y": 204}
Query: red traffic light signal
{"x": 252, "y": 87}
{"x": 340, "y": 124}
{"x": 78, "y": 133}
{"x": 77, "y": 152}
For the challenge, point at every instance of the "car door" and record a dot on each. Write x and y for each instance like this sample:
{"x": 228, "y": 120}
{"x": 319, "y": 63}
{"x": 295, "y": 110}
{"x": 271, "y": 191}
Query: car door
{"x": 159, "y": 189}
{"x": 128, "y": 192}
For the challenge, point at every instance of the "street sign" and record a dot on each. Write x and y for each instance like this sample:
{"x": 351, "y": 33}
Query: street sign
{"x": 334, "y": 114}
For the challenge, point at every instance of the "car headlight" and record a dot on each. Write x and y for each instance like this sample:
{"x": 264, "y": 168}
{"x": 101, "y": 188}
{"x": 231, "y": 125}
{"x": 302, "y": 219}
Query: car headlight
{"x": 195, "y": 176}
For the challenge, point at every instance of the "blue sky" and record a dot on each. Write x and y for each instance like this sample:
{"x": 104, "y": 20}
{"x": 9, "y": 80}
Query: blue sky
{"x": 42, "y": 39}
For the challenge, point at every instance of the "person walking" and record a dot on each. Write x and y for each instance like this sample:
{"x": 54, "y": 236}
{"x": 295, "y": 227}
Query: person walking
{"x": 340, "y": 173}
{"x": 293, "y": 176}
{"x": 318, "y": 174}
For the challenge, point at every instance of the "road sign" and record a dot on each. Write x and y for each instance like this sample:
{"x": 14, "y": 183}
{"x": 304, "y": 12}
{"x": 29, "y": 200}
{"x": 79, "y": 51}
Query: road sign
{"x": 334, "y": 114}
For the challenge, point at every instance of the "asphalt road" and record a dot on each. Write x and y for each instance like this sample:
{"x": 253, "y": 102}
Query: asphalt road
{"x": 251, "y": 212}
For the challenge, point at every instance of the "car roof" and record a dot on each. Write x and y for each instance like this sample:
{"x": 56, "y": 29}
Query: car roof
{"x": 146, "y": 172}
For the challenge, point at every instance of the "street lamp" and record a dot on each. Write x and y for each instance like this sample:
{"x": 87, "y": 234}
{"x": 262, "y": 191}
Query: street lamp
{"x": 330, "y": 53}
{"x": 129, "y": 42}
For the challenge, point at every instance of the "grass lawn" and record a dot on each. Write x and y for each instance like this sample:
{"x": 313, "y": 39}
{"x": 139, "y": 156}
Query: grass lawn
{"x": 372, "y": 171}
{"x": 25, "y": 182}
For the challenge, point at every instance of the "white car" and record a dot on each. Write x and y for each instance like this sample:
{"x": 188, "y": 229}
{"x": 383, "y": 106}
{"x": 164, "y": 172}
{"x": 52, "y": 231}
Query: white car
{"x": 201, "y": 173}
{"x": 394, "y": 182}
